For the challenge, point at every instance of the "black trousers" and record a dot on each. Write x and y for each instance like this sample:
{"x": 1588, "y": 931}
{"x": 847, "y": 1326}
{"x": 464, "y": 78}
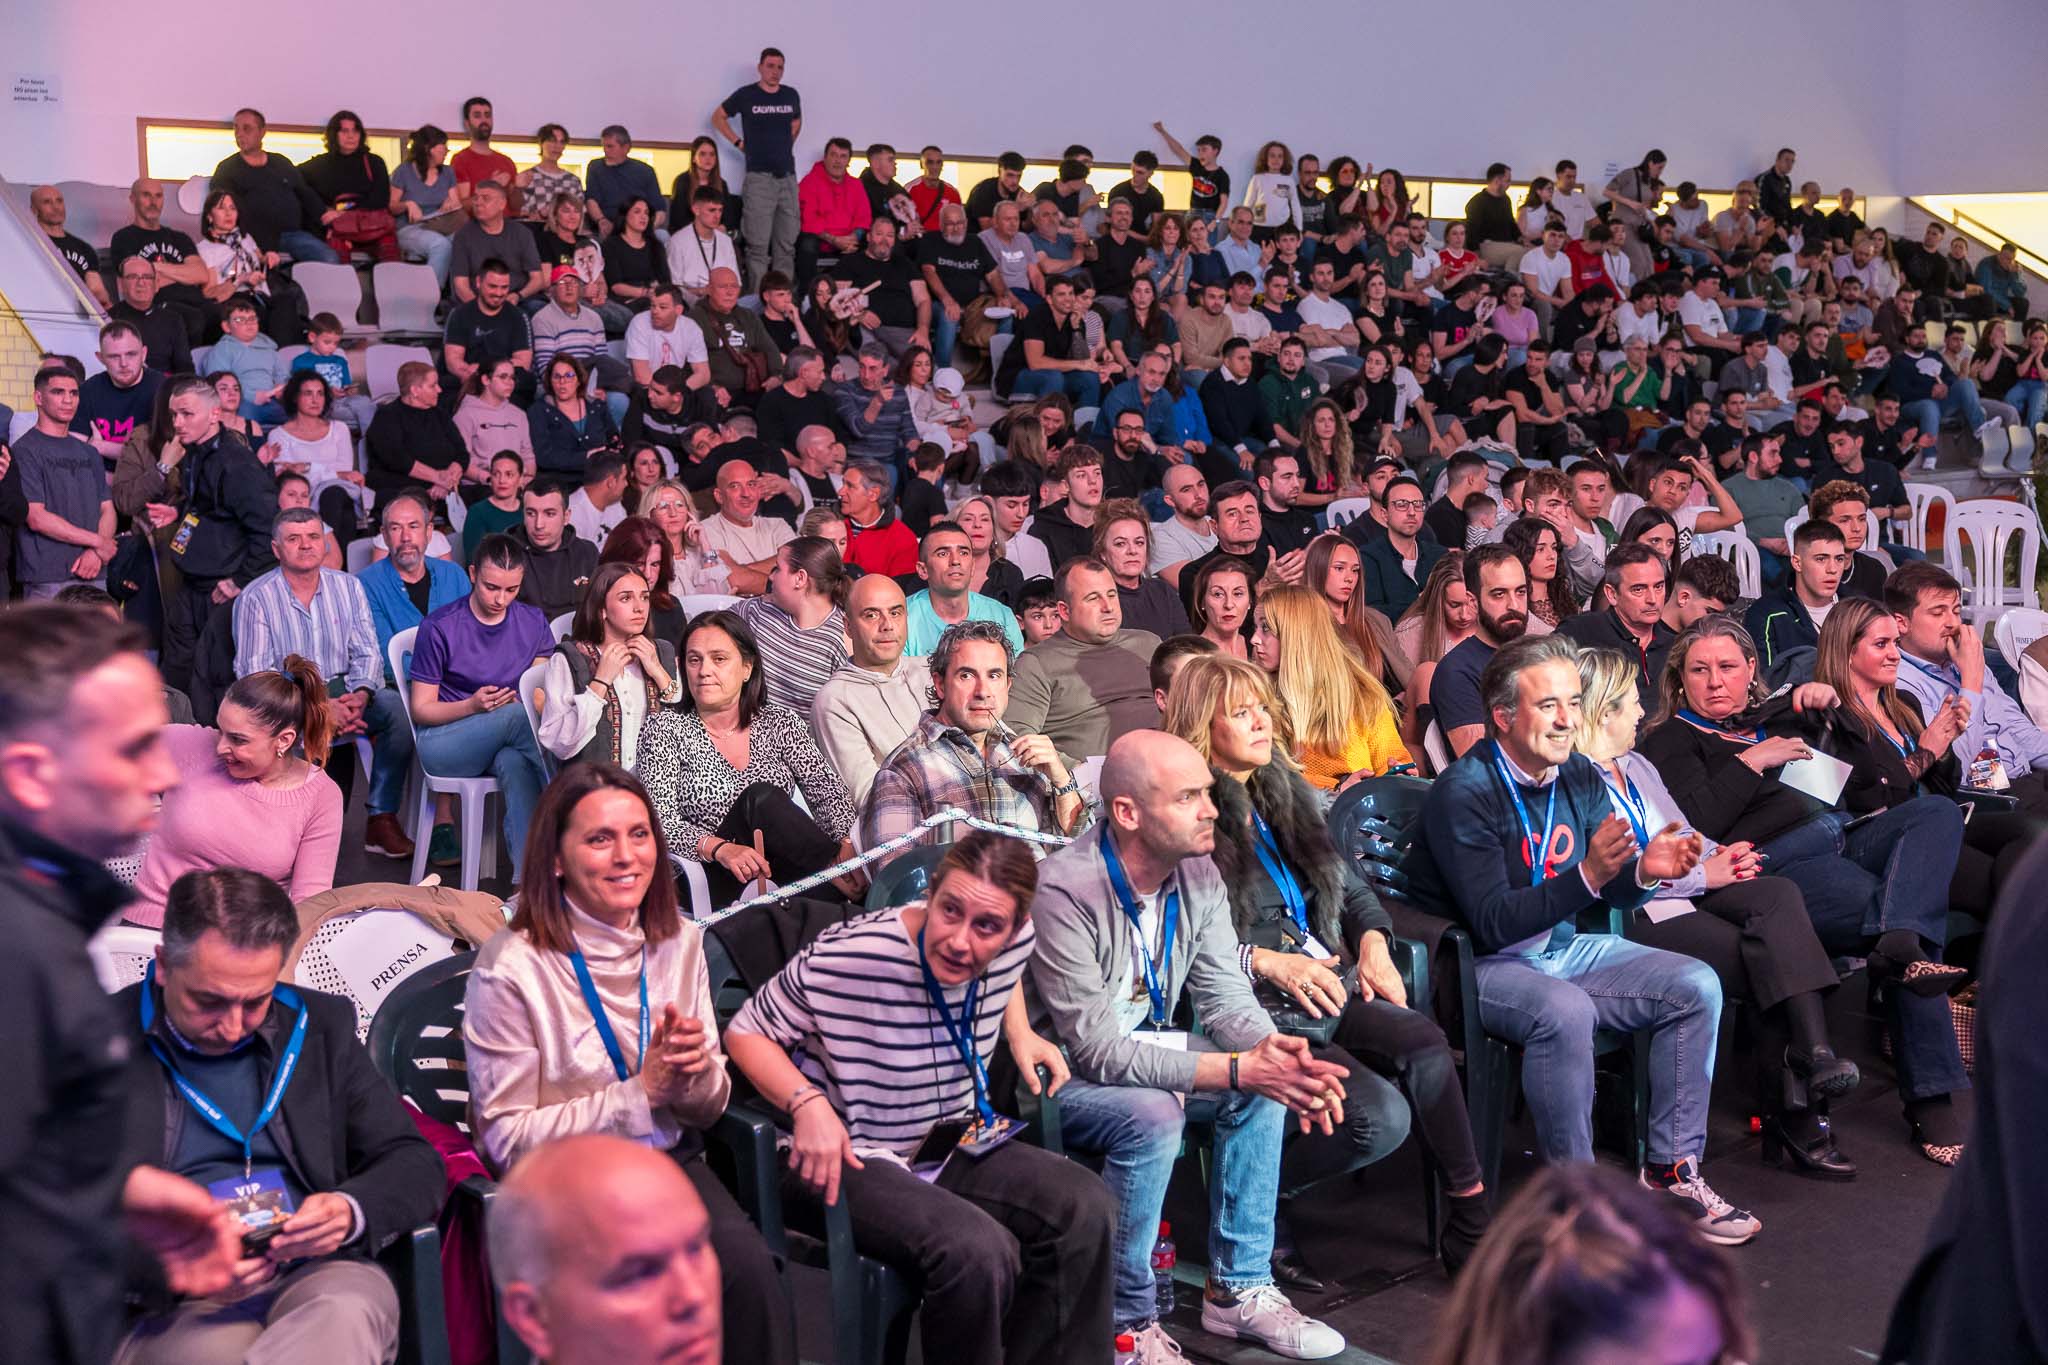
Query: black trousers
{"x": 338, "y": 512}
{"x": 1993, "y": 843}
{"x": 185, "y": 613}
{"x": 794, "y": 844}
{"x": 759, "y": 1326}
{"x": 1760, "y": 943}
{"x": 1012, "y": 1252}
{"x": 1406, "y": 1046}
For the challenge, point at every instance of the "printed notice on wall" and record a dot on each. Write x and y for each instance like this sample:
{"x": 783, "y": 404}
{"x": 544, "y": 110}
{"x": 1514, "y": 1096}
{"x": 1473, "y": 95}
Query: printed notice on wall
{"x": 29, "y": 90}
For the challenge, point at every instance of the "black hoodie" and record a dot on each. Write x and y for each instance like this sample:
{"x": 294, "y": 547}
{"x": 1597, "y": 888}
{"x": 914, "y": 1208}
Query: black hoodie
{"x": 555, "y": 578}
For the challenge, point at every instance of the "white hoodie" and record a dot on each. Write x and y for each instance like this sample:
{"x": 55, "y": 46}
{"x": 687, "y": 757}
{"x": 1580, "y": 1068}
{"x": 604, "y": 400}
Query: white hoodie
{"x": 860, "y": 717}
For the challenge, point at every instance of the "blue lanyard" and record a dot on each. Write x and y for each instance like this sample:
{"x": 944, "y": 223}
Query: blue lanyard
{"x": 1632, "y": 805}
{"x": 1700, "y": 722}
{"x": 1282, "y": 875}
{"x": 961, "y": 1033}
{"x": 1169, "y": 911}
{"x": 287, "y": 1063}
{"x": 1535, "y": 843}
{"x": 596, "y": 1008}
{"x": 1905, "y": 749}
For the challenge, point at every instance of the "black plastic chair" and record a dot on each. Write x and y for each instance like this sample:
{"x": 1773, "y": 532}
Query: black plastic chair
{"x": 872, "y": 1304}
{"x": 1373, "y": 824}
{"x": 906, "y": 877}
{"x": 416, "y": 1044}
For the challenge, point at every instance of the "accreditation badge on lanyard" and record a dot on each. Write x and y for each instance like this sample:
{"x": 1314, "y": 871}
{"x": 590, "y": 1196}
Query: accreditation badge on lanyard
{"x": 990, "y": 1130}
{"x": 595, "y": 1005}
{"x": 259, "y": 1199}
{"x": 1157, "y": 972}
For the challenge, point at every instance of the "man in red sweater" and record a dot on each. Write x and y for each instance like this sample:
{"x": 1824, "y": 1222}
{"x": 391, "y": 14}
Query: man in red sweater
{"x": 876, "y": 538}
{"x": 833, "y": 211}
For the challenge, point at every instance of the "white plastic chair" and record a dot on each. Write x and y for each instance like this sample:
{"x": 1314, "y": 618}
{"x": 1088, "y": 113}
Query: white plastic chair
{"x": 121, "y": 954}
{"x": 560, "y": 626}
{"x": 530, "y": 697}
{"x": 1923, "y": 497}
{"x": 479, "y": 837}
{"x": 381, "y": 364}
{"x": 332, "y": 289}
{"x": 200, "y": 355}
{"x": 697, "y": 603}
{"x": 1437, "y": 747}
{"x": 1084, "y": 420}
{"x": 406, "y": 297}
{"x": 1991, "y": 526}
{"x": 2016, "y": 629}
{"x": 398, "y": 942}
{"x": 359, "y": 553}
{"x": 192, "y": 196}
{"x": 1344, "y": 511}
{"x": 128, "y": 866}
{"x": 1740, "y": 551}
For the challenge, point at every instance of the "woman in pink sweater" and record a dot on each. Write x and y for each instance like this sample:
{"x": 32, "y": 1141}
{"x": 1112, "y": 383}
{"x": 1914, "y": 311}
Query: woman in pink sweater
{"x": 249, "y": 794}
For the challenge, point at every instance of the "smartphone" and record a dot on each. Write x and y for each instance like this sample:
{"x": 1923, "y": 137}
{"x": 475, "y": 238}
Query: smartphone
{"x": 254, "y": 1240}
{"x": 939, "y": 1144}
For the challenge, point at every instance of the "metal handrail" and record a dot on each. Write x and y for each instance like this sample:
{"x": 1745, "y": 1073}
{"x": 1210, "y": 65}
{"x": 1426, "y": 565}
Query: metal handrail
{"x": 88, "y": 306}
{"x": 1985, "y": 236}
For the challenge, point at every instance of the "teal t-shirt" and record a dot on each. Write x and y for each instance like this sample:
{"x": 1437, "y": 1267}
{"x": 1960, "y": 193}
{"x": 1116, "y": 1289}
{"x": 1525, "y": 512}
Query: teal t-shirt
{"x": 926, "y": 627}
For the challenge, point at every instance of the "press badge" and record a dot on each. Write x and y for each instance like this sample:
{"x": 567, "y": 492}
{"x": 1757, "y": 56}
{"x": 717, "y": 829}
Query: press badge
{"x": 259, "y": 1201}
{"x": 182, "y": 538}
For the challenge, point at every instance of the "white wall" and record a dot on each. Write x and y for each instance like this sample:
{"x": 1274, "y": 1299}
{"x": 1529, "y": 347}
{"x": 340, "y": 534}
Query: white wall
{"x": 1970, "y": 117}
{"x": 1435, "y": 89}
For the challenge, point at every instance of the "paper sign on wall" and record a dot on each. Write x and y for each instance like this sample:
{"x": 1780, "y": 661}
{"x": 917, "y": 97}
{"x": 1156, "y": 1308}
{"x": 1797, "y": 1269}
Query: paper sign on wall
{"x": 26, "y": 90}
{"x": 381, "y": 948}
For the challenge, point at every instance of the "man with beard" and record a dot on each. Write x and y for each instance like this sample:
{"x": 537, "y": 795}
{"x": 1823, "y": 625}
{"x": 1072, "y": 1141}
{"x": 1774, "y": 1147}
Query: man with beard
{"x": 962, "y": 755}
{"x": 874, "y": 701}
{"x": 1188, "y": 533}
{"x": 1496, "y": 579}
{"x": 957, "y": 270}
{"x": 898, "y": 307}
{"x": 733, "y": 335}
{"x": 174, "y": 262}
{"x": 1633, "y": 591}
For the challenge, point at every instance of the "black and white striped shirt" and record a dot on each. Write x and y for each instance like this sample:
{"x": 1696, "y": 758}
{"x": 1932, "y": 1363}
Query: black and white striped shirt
{"x": 854, "y": 1003}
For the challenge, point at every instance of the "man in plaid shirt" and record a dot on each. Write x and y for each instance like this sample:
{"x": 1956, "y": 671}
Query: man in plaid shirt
{"x": 962, "y": 755}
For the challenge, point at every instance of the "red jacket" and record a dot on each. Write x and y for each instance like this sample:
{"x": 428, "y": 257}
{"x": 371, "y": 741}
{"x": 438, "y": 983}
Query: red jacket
{"x": 829, "y": 209}
{"x": 887, "y": 547}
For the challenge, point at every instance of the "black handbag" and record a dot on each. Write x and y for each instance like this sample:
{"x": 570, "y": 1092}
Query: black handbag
{"x": 1286, "y": 1012}
{"x": 133, "y": 567}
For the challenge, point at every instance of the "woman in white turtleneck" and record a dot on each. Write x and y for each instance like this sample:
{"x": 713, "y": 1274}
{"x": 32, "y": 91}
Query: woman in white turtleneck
{"x": 592, "y": 1013}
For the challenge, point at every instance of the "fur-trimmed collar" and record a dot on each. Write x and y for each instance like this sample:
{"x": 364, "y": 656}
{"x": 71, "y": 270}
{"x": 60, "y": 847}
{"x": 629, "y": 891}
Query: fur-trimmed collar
{"x": 1289, "y": 807}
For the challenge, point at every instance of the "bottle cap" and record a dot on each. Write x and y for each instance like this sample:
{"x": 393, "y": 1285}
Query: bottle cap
{"x": 1165, "y": 1228}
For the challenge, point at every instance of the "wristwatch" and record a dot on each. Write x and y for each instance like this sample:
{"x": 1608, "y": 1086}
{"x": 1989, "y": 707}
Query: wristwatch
{"x": 1071, "y": 786}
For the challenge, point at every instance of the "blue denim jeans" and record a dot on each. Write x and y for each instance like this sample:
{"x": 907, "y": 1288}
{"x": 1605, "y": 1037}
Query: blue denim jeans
{"x": 306, "y": 246}
{"x": 1552, "y": 1002}
{"x": 1890, "y": 872}
{"x": 433, "y": 247}
{"x": 2030, "y": 396}
{"x": 1138, "y": 1133}
{"x": 497, "y": 744}
{"x": 1927, "y": 413}
{"x": 1083, "y": 386}
{"x": 390, "y": 748}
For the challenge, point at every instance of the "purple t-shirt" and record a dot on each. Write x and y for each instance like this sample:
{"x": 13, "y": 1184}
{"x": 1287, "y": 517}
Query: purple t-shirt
{"x": 462, "y": 655}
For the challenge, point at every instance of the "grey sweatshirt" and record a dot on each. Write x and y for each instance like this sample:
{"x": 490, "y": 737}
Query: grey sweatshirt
{"x": 860, "y": 717}
{"x": 1084, "y": 956}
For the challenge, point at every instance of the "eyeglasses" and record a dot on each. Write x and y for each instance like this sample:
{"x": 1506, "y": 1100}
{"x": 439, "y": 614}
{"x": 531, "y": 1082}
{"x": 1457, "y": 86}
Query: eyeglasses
{"x": 1406, "y": 504}
{"x": 666, "y": 505}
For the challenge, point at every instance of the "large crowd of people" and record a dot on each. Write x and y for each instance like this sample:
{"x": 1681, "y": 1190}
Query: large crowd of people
{"x": 1268, "y": 499}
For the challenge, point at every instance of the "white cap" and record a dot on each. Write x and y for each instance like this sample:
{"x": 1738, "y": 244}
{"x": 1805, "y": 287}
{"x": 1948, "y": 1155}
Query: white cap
{"x": 949, "y": 380}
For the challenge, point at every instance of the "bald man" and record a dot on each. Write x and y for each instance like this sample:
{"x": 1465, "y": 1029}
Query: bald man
{"x": 602, "y": 1254}
{"x": 745, "y": 361}
{"x": 738, "y": 534}
{"x": 878, "y": 695}
{"x": 47, "y": 203}
{"x": 172, "y": 259}
{"x": 1130, "y": 916}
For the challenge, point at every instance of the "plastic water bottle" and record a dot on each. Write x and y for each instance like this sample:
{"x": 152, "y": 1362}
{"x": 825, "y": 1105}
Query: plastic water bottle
{"x": 1164, "y": 1258}
{"x": 1126, "y": 1348}
{"x": 1987, "y": 772}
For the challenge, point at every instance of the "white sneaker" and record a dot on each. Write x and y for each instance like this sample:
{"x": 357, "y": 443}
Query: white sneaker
{"x": 1264, "y": 1315}
{"x": 1152, "y": 1346}
{"x": 1716, "y": 1219}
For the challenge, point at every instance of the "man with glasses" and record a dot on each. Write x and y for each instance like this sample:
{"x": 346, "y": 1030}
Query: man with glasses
{"x": 1397, "y": 564}
{"x": 163, "y": 326}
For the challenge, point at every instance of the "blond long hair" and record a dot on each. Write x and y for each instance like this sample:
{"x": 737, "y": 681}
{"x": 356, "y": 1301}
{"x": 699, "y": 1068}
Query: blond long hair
{"x": 1607, "y": 677}
{"x": 1211, "y": 685}
{"x": 1330, "y": 695}
{"x": 1851, "y": 618}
